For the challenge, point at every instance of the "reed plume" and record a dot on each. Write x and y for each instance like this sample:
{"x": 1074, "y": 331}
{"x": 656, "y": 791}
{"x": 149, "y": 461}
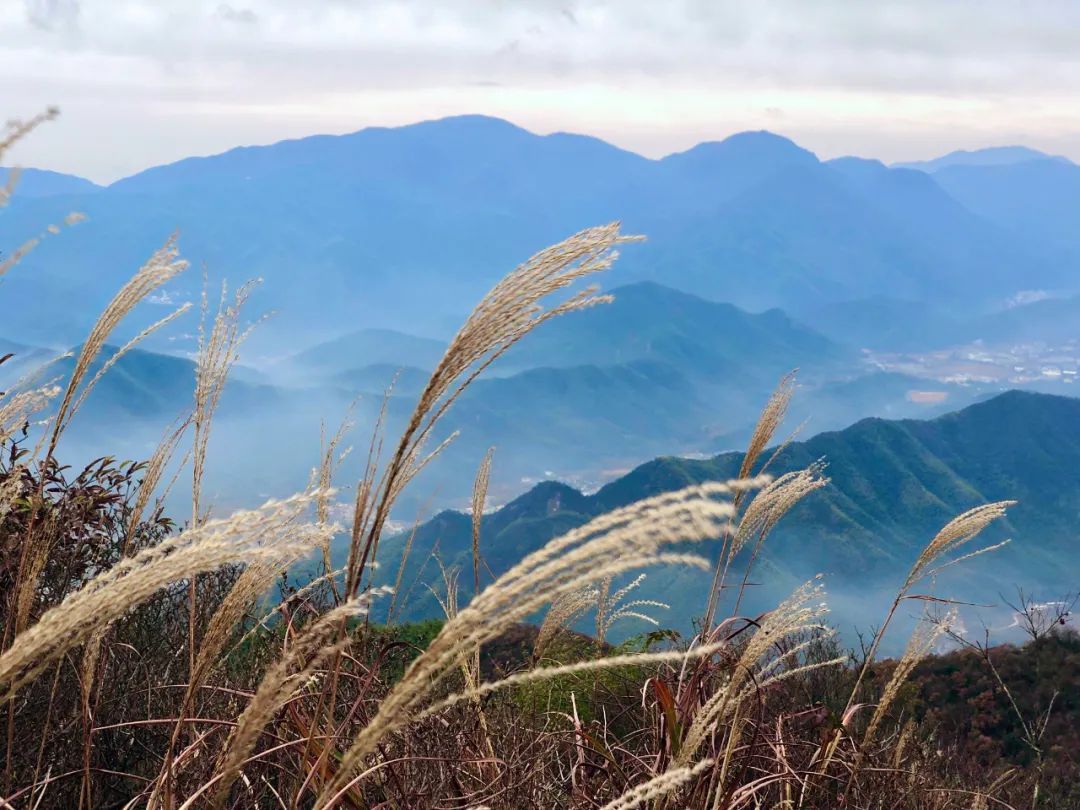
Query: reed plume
{"x": 504, "y": 316}
{"x": 772, "y": 416}
{"x": 330, "y": 460}
{"x": 162, "y": 267}
{"x": 218, "y": 352}
{"x": 540, "y": 674}
{"x": 15, "y": 131}
{"x": 769, "y": 421}
{"x": 29, "y": 245}
{"x": 658, "y": 786}
{"x": 612, "y": 607}
{"x": 767, "y": 509}
{"x": 245, "y": 536}
{"x": 153, "y": 474}
{"x": 629, "y": 538}
{"x": 957, "y": 532}
{"x": 309, "y": 651}
{"x": 563, "y": 612}
{"x": 479, "y": 496}
{"x": 920, "y": 644}
{"x": 800, "y": 612}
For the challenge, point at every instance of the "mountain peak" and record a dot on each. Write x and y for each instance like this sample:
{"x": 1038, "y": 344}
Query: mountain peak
{"x": 472, "y": 123}
{"x": 45, "y": 183}
{"x": 761, "y": 138}
{"x": 757, "y": 146}
{"x": 990, "y": 156}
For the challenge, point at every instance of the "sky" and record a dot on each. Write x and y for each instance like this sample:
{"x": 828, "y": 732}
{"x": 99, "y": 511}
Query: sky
{"x": 143, "y": 82}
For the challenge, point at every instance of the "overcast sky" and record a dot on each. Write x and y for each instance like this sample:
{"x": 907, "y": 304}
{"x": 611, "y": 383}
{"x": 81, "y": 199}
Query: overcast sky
{"x": 142, "y": 82}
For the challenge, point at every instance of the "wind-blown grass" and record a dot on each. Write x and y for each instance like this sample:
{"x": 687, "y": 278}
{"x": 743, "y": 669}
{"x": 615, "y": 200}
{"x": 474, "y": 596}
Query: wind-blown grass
{"x": 312, "y": 705}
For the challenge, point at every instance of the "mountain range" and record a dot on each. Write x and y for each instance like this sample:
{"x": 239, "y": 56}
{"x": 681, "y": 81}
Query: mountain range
{"x": 759, "y": 258}
{"x": 654, "y": 372}
{"x": 404, "y": 228}
{"x": 894, "y": 483}
{"x": 886, "y": 286}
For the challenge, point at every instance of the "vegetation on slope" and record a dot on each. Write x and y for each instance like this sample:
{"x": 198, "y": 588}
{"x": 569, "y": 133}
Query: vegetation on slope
{"x": 892, "y": 483}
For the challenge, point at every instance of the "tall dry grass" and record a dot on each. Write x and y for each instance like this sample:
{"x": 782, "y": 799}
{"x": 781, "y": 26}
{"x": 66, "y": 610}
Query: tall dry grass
{"x": 301, "y": 708}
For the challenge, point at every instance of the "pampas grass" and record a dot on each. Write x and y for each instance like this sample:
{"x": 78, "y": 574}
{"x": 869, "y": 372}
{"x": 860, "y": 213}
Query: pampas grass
{"x": 511, "y": 310}
{"x": 247, "y": 536}
{"x": 919, "y": 646}
{"x": 14, "y": 132}
{"x": 479, "y": 496}
{"x": 563, "y": 612}
{"x": 629, "y": 538}
{"x": 800, "y": 612}
{"x": 957, "y": 532}
{"x": 162, "y": 267}
{"x": 217, "y": 354}
{"x": 309, "y": 651}
{"x": 661, "y": 785}
{"x": 611, "y": 608}
{"x": 320, "y": 714}
{"x": 23, "y": 250}
{"x": 540, "y": 674}
{"x": 769, "y": 421}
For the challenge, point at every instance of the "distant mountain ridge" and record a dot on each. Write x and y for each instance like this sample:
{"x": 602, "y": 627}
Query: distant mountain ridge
{"x": 894, "y": 484}
{"x": 44, "y": 183}
{"x": 990, "y": 156}
{"x": 655, "y": 370}
{"x": 405, "y": 228}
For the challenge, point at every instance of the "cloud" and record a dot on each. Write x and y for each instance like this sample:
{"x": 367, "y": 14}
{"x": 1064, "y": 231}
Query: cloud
{"x": 889, "y": 46}
{"x": 51, "y": 15}
{"x": 893, "y": 79}
{"x": 243, "y": 15}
